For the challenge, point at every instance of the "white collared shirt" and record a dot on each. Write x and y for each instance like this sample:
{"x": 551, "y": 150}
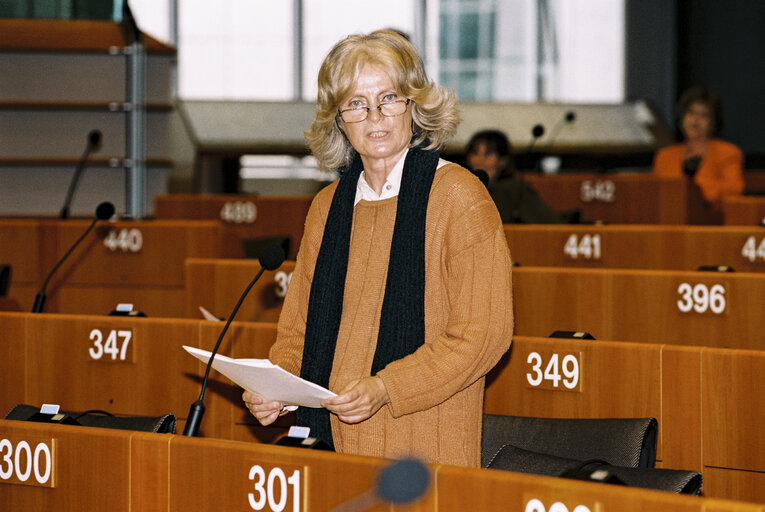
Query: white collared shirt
{"x": 392, "y": 184}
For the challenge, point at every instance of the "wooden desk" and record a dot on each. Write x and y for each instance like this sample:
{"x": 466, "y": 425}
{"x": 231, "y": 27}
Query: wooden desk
{"x": 744, "y": 210}
{"x": 140, "y": 471}
{"x": 715, "y": 309}
{"x": 247, "y": 216}
{"x": 139, "y": 262}
{"x": 710, "y": 415}
{"x": 216, "y": 285}
{"x": 158, "y": 377}
{"x": 733, "y": 419}
{"x": 637, "y": 246}
{"x": 20, "y": 247}
{"x": 625, "y": 198}
{"x": 128, "y": 366}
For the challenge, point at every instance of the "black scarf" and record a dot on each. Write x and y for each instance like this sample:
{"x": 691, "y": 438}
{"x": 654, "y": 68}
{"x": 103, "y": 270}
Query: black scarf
{"x": 402, "y": 320}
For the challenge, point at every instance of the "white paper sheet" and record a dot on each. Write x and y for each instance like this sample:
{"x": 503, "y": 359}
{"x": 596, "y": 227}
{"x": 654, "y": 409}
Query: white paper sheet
{"x": 266, "y": 379}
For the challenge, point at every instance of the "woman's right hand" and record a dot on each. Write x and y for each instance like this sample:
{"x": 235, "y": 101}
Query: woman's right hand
{"x": 265, "y": 412}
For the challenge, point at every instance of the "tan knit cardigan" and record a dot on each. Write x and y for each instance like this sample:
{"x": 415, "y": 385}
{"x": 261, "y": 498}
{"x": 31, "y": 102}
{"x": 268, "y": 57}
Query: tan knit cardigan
{"x": 436, "y": 393}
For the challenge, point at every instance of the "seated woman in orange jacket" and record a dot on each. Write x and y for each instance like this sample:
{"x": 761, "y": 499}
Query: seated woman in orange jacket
{"x": 714, "y": 165}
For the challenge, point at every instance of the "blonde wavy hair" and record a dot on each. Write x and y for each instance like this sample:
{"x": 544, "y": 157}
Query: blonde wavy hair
{"x": 434, "y": 108}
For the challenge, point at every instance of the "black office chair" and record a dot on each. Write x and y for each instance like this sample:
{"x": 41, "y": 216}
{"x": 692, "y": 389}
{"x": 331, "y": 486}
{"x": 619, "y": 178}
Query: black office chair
{"x": 511, "y": 458}
{"x": 619, "y": 450}
{"x": 164, "y": 424}
{"x": 628, "y": 442}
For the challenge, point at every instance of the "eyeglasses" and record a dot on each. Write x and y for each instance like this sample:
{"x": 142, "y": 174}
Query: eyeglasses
{"x": 388, "y": 109}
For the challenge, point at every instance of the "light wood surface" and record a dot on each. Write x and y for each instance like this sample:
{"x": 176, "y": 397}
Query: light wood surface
{"x": 49, "y": 358}
{"x": 141, "y": 472}
{"x": 217, "y": 284}
{"x": 247, "y": 216}
{"x": 641, "y": 305}
{"x": 657, "y": 247}
{"x": 706, "y": 401}
{"x": 138, "y": 262}
{"x": 744, "y": 211}
{"x": 625, "y": 198}
{"x": 82, "y": 482}
{"x": 734, "y": 408}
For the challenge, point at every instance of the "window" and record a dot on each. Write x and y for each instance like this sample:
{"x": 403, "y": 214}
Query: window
{"x": 487, "y": 50}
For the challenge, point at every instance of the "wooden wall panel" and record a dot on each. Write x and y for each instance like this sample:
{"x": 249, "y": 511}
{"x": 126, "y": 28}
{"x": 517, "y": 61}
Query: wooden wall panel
{"x": 734, "y": 409}
{"x": 217, "y": 285}
{"x": 13, "y": 360}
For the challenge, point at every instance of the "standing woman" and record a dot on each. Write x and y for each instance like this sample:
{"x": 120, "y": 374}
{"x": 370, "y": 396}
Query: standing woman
{"x": 401, "y": 298}
{"x": 714, "y": 165}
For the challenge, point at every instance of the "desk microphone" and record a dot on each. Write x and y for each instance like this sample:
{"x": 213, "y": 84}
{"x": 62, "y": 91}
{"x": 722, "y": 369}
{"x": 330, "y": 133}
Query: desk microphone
{"x": 568, "y": 118}
{"x": 399, "y": 483}
{"x": 104, "y": 211}
{"x": 525, "y": 159}
{"x": 94, "y": 140}
{"x": 536, "y": 133}
{"x": 270, "y": 257}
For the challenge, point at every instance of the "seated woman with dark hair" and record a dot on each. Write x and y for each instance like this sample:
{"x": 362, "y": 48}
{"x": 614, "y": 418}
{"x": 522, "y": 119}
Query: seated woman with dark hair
{"x": 517, "y": 201}
{"x": 713, "y": 164}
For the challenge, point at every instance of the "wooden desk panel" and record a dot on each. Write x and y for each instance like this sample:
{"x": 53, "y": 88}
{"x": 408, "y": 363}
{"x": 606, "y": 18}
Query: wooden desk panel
{"x": 734, "y": 410}
{"x": 121, "y": 261}
{"x": 149, "y": 253}
{"x": 744, "y": 485}
{"x": 216, "y": 285}
{"x": 681, "y": 430}
{"x": 641, "y": 305}
{"x": 19, "y": 247}
{"x": 743, "y": 210}
{"x": 636, "y": 246}
{"x": 156, "y": 378}
{"x": 154, "y": 301}
{"x": 625, "y": 198}
{"x": 13, "y": 360}
{"x": 143, "y": 471}
{"x": 162, "y": 378}
{"x": 248, "y": 216}
{"x": 91, "y": 468}
{"x": 503, "y": 490}
{"x": 226, "y": 416}
{"x": 328, "y": 479}
{"x": 705, "y": 400}
{"x": 617, "y": 380}
{"x": 21, "y": 297}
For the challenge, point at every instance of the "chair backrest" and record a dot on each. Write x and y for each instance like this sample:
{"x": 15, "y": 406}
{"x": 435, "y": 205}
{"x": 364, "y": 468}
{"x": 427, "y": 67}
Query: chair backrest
{"x": 512, "y": 458}
{"x": 164, "y": 424}
{"x": 627, "y": 442}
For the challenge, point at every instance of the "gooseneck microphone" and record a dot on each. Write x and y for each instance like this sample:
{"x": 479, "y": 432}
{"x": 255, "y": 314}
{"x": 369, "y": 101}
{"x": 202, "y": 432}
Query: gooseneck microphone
{"x": 94, "y": 140}
{"x": 568, "y": 118}
{"x": 536, "y": 133}
{"x": 401, "y": 482}
{"x": 526, "y": 159}
{"x": 104, "y": 211}
{"x": 270, "y": 257}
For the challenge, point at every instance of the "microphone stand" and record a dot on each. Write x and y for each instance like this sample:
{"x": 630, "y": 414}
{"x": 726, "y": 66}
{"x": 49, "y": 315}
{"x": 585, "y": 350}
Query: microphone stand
{"x": 273, "y": 257}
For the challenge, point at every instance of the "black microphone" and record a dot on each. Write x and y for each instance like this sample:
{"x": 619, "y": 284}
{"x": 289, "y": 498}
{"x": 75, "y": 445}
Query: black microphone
{"x": 271, "y": 257}
{"x": 104, "y": 211}
{"x": 536, "y": 133}
{"x": 526, "y": 159}
{"x": 399, "y": 483}
{"x": 568, "y": 118}
{"x": 94, "y": 140}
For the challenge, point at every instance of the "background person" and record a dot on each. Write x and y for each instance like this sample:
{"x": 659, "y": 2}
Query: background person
{"x": 713, "y": 164}
{"x": 401, "y": 297}
{"x": 516, "y": 200}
